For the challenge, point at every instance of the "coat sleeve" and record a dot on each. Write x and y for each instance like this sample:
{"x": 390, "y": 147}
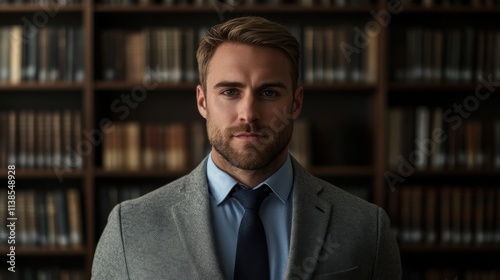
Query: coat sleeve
{"x": 388, "y": 261}
{"x": 109, "y": 259}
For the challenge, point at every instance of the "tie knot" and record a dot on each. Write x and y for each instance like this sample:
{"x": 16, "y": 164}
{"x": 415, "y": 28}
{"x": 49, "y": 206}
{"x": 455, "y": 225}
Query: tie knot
{"x": 252, "y": 199}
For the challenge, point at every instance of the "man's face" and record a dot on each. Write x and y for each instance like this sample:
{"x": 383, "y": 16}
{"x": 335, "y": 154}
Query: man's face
{"x": 249, "y": 104}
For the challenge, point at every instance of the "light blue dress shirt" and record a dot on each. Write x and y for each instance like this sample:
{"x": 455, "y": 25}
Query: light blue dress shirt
{"x": 275, "y": 213}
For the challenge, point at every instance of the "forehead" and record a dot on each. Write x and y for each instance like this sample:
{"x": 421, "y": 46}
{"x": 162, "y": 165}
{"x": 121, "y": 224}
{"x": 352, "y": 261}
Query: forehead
{"x": 234, "y": 60}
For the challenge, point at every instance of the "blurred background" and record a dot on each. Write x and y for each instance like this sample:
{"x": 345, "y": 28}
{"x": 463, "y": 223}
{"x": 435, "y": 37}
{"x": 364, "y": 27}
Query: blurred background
{"x": 97, "y": 105}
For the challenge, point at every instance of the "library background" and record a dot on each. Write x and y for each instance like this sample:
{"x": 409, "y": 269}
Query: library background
{"x": 97, "y": 105}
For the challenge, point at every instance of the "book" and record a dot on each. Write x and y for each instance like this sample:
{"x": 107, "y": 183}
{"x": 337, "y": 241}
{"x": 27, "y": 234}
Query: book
{"x": 431, "y": 230}
{"x": 4, "y": 135}
{"x": 62, "y": 228}
{"x": 308, "y": 54}
{"x": 31, "y": 226}
{"x": 406, "y": 220}
{"x": 30, "y": 139}
{"x": 395, "y": 136}
{"x": 467, "y": 216}
{"x": 132, "y": 145}
{"x": 23, "y": 138}
{"x": 4, "y": 53}
{"x": 4, "y": 231}
{"x": 456, "y": 215}
{"x": 41, "y": 219}
{"x": 16, "y": 47}
{"x": 479, "y": 213}
{"x": 416, "y": 234}
{"x": 12, "y": 137}
{"x": 445, "y": 215}
{"x": 437, "y": 157}
{"x": 300, "y": 143}
{"x": 422, "y": 122}
{"x": 50, "y": 201}
{"x": 75, "y": 229}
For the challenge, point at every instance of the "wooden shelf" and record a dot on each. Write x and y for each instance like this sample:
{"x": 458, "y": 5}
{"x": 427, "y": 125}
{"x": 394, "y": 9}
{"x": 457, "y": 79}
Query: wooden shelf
{"x": 347, "y": 171}
{"x": 46, "y": 174}
{"x": 47, "y": 251}
{"x": 154, "y": 173}
{"x": 34, "y": 86}
{"x": 414, "y": 9}
{"x": 33, "y": 8}
{"x": 128, "y": 85}
{"x": 455, "y": 249}
{"x": 348, "y": 86}
{"x": 410, "y": 87}
{"x": 210, "y": 9}
{"x": 185, "y": 86}
{"x": 457, "y": 172}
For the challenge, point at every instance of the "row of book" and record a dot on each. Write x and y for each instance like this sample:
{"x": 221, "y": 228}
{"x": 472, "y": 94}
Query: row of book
{"x": 172, "y": 146}
{"x": 41, "y": 139}
{"x": 44, "y": 217}
{"x": 175, "y": 146}
{"x": 44, "y": 273}
{"x": 227, "y": 4}
{"x": 330, "y": 55}
{"x": 168, "y": 54}
{"x": 448, "y": 55}
{"x": 428, "y": 138}
{"x": 41, "y": 2}
{"x": 45, "y": 54}
{"x": 446, "y": 215}
{"x": 151, "y": 54}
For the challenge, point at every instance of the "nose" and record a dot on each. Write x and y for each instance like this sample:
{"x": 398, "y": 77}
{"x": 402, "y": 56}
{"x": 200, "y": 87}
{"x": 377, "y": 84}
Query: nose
{"x": 248, "y": 109}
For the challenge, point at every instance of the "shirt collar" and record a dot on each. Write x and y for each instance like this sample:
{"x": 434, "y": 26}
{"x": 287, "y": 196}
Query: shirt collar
{"x": 220, "y": 183}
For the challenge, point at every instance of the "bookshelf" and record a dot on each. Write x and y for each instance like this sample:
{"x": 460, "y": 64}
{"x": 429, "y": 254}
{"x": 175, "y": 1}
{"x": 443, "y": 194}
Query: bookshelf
{"x": 348, "y": 119}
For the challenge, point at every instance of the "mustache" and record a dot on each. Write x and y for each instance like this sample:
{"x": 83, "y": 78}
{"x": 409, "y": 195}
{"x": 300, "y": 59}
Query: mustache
{"x": 246, "y": 128}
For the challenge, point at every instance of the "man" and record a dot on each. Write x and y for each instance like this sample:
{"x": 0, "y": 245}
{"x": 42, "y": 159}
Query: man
{"x": 304, "y": 227}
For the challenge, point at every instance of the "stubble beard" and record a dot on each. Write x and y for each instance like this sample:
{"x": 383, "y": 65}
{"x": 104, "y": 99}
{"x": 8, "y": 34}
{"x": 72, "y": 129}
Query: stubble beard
{"x": 253, "y": 155}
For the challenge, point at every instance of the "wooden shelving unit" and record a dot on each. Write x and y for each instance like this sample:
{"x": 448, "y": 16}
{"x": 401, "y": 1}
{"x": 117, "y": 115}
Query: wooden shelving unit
{"x": 373, "y": 99}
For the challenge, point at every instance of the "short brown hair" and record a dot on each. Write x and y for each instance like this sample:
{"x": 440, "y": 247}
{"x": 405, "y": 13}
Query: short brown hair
{"x": 249, "y": 30}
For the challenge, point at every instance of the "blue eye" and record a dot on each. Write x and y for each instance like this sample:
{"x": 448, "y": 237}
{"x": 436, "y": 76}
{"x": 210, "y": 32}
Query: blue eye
{"x": 269, "y": 93}
{"x": 229, "y": 92}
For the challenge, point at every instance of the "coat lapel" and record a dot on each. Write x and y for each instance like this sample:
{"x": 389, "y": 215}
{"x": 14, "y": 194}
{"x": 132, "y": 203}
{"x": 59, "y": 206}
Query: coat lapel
{"x": 193, "y": 220}
{"x": 310, "y": 219}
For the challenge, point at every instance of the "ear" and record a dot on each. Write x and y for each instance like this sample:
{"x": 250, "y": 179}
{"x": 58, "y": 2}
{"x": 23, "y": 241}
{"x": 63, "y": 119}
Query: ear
{"x": 297, "y": 102}
{"x": 201, "y": 101}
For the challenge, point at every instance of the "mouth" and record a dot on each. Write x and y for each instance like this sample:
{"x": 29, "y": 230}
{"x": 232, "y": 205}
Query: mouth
{"x": 248, "y": 136}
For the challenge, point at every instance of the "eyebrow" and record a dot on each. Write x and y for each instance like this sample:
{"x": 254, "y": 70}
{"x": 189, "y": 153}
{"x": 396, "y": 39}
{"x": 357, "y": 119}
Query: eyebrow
{"x": 260, "y": 87}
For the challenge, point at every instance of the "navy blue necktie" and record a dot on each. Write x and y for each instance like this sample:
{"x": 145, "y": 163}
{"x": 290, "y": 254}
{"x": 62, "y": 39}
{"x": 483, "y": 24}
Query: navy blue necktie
{"x": 252, "y": 260}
